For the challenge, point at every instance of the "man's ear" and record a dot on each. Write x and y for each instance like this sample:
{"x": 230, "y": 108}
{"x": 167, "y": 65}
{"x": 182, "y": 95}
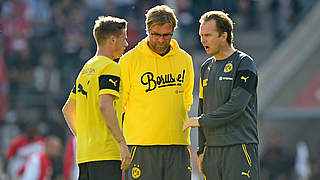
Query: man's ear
{"x": 112, "y": 39}
{"x": 224, "y": 35}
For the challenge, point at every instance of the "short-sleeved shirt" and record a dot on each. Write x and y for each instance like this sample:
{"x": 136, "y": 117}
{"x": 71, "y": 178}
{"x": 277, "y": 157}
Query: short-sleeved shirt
{"x": 100, "y": 75}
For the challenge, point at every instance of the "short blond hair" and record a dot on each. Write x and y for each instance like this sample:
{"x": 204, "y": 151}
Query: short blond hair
{"x": 223, "y": 22}
{"x": 160, "y": 15}
{"x": 106, "y": 26}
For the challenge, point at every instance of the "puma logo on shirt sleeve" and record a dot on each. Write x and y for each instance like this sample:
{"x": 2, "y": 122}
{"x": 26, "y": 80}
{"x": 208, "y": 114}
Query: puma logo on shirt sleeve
{"x": 244, "y": 78}
{"x": 113, "y": 82}
{"x": 109, "y": 82}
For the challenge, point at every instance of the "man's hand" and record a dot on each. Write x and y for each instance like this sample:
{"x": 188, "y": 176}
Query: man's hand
{"x": 192, "y": 122}
{"x": 200, "y": 160}
{"x": 125, "y": 155}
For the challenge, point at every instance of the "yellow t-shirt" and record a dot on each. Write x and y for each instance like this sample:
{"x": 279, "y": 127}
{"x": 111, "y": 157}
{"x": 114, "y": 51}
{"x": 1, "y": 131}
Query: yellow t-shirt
{"x": 157, "y": 93}
{"x": 100, "y": 75}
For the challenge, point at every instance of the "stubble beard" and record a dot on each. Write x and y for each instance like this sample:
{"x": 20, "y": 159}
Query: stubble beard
{"x": 159, "y": 49}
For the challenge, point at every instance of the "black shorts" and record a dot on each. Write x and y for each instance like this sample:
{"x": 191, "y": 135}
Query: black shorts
{"x": 100, "y": 170}
{"x": 231, "y": 162}
{"x": 159, "y": 163}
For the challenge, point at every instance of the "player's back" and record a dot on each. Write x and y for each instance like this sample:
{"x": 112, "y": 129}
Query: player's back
{"x": 100, "y": 75}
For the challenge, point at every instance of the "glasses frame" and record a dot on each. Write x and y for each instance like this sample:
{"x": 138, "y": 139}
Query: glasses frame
{"x": 165, "y": 36}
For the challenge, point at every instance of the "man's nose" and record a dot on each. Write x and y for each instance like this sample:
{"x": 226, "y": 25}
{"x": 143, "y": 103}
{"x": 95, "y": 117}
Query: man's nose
{"x": 161, "y": 39}
{"x": 202, "y": 40}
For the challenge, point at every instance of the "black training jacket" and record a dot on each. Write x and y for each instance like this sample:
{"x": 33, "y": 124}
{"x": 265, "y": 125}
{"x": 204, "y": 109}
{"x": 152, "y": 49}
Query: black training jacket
{"x": 228, "y": 101}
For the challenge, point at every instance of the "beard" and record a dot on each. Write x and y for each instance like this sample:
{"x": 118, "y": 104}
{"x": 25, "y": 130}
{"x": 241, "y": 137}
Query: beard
{"x": 159, "y": 48}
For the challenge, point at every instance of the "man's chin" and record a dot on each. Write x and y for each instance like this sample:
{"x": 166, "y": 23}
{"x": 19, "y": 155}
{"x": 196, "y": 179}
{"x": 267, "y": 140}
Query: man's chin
{"x": 209, "y": 52}
{"x": 162, "y": 49}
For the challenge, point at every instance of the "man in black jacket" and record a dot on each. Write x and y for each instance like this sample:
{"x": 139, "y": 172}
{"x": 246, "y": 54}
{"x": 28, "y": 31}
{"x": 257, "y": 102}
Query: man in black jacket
{"x": 227, "y": 121}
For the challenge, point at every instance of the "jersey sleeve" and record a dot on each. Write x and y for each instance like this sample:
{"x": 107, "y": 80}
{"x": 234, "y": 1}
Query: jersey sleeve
{"x": 73, "y": 93}
{"x": 125, "y": 74}
{"x": 109, "y": 80}
{"x": 189, "y": 85}
{"x": 246, "y": 76}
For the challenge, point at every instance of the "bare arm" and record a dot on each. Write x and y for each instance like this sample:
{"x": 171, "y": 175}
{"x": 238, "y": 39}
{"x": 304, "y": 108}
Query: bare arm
{"x": 69, "y": 113}
{"x": 109, "y": 115}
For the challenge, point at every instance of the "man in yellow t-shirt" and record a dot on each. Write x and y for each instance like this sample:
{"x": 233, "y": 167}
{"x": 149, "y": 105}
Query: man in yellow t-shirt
{"x": 93, "y": 108}
{"x": 157, "y": 78}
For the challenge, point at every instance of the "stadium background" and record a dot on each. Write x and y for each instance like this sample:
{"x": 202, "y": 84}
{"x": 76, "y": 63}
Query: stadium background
{"x": 44, "y": 43}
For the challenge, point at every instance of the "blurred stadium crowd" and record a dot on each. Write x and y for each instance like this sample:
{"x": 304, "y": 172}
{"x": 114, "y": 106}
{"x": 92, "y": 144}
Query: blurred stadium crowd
{"x": 44, "y": 43}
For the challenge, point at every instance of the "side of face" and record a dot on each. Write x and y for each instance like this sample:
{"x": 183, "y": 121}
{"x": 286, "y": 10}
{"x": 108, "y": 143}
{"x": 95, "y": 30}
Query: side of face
{"x": 159, "y": 37}
{"x": 210, "y": 38}
{"x": 119, "y": 44}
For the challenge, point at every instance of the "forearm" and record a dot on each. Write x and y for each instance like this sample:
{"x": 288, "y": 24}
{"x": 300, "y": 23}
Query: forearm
{"x": 227, "y": 112}
{"x": 110, "y": 118}
{"x": 70, "y": 125}
{"x": 69, "y": 113}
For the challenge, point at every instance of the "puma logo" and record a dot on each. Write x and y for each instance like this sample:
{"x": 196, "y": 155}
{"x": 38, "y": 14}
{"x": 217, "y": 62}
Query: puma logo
{"x": 113, "y": 82}
{"x": 244, "y": 78}
{"x": 246, "y": 174}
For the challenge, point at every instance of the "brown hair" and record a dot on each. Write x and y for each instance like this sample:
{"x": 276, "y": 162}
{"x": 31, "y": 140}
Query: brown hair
{"x": 106, "y": 26}
{"x": 223, "y": 22}
{"x": 161, "y": 14}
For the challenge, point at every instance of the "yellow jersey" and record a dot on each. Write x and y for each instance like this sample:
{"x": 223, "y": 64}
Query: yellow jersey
{"x": 100, "y": 75}
{"x": 157, "y": 93}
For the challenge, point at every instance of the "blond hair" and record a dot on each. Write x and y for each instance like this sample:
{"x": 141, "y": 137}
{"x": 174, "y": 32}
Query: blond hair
{"x": 160, "y": 15}
{"x": 106, "y": 26}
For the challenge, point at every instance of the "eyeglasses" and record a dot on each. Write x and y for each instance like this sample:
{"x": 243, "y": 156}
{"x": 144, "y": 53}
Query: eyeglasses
{"x": 158, "y": 36}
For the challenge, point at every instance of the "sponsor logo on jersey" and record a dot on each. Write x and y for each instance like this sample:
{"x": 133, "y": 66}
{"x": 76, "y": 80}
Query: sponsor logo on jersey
{"x": 225, "y": 78}
{"x": 179, "y": 91}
